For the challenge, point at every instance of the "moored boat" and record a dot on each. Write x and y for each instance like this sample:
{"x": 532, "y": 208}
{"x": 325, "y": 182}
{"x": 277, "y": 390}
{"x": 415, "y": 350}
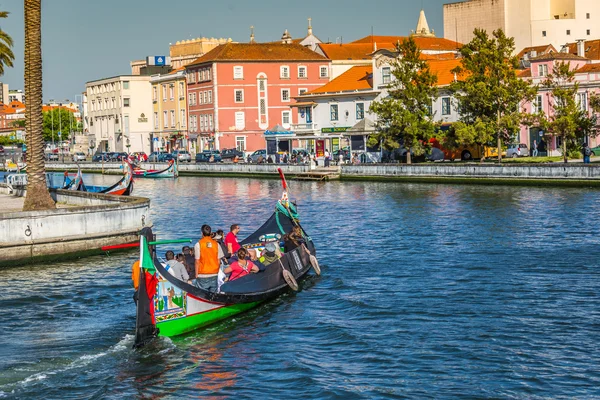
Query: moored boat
{"x": 169, "y": 172}
{"x": 167, "y": 306}
{"x": 124, "y": 187}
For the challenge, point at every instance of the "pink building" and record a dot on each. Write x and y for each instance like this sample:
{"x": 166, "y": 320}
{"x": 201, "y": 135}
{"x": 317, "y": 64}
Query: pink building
{"x": 239, "y": 90}
{"x": 587, "y": 75}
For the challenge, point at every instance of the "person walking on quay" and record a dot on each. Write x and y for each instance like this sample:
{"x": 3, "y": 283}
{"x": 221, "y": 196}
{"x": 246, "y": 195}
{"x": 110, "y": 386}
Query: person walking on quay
{"x": 327, "y": 158}
{"x": 535, "y": 148}
{"x": 587, "y": 152}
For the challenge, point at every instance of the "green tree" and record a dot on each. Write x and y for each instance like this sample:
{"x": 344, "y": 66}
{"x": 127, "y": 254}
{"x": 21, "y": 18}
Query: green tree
{"x": 404, "y": 117}
{"x": 569, "y": 121}
{"x": 488, "y": 92}
{"x": 6, "y": 43}
{"x": 58, "y": 120}
{"x": 38, "y": 197}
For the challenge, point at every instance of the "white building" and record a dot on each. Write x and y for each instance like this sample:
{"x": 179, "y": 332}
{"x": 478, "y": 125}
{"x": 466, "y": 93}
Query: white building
{"x": 530, "y": 22}
{"x": 119, "y": 113}
{"x": 16, "y": 95}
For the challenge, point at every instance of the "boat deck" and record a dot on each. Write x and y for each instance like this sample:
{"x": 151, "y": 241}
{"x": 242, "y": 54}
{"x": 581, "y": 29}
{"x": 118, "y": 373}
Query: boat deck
{"x": 319, "y": 174}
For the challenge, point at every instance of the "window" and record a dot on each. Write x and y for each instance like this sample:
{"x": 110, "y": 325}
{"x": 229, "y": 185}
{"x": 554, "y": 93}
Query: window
{"x": 125, "y": 85}
{"x": 126, "y": 124}
{"x": 181, "y": 90}
{"x": 446, "y": 106}
{"x": 154, "y": 93}
{"x": 333, "y": 112}
{"x": 240, "y": 143}
{"x": 239, "y": 95}
{"x": 302, "y": 72}
{"x": 263, "y": 107}
{"x": 190, "y": 99}
{"x": 285, "y": 118}
{"x": 588, "y": 32}
{"x": 182, "y": 118}
{"x": 201, "y": 98}
{"x": 302, "y": 91}
{"x": 284, "y": 72}
{"x": 582, "y": 101}
{"x": 114, "y": 102}
{"x": 171, "y": 91}
{"x": 155, "y": 120}
{"x": 210, "y": 122}
{"x": 587, "y": 15}
{"x": 172, "y": 118}
{"x": 568, "y": 32}
{"x": 210, "y": 96}
{"x": 537, "y": 105}
{"x": 323, "y": 72}
{"x": 360, "y": 111}
{"x": 165, "y": 119}
{"x": 238, "y": 72}
{"x": 240, "y": 120}
{"x": 191, "y": 76}
{"x": 543, "y": 33}
{"x": 164, "y": 90}
{"x": 386, "y": 75}
{"x": 261, "y": 84}
{"x": 126, "y": 102}
{"x": 208, "y": 74}
{"x": 285, "y": 94}
{"x": 201, "y": 122}
{"x": 542, "y": 69}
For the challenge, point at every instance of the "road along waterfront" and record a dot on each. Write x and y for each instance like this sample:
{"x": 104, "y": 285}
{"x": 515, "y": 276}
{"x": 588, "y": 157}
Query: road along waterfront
{"x": 428, "y": 291}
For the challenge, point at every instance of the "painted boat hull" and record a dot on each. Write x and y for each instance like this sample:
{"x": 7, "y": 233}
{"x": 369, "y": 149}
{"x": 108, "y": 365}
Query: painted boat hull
{"x": 169, "y": 172}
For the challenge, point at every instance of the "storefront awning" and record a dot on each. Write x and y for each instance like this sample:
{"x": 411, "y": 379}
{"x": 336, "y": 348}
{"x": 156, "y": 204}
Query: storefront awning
{"x": 304, "y": 104}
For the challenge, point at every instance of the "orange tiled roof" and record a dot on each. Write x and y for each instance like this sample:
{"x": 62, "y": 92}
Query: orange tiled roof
{"x": 258, "y": 52}
{"x": 356, "y": 78}
{"x": 16, "y": 104}
{"x": 176, "y": 71}
{"x": 526, "y": 73}
{"x": 557, "y": 56}
{"x": 348, "y": 51}
{"x": 443, "y": 68}
{"x": 591, "y": 48}
{"x": 589, "y": 68}
{"x": 424, "y": 43}
{"x": 545, "y": 49}
{"x": 443, "y": 56}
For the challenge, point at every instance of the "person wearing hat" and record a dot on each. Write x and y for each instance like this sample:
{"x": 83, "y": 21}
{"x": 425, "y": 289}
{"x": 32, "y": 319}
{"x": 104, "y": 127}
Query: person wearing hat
{"x": 270, "y": 254}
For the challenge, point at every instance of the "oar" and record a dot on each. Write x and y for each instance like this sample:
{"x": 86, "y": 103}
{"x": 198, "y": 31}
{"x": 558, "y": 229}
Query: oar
{"x": 136, "y": 244}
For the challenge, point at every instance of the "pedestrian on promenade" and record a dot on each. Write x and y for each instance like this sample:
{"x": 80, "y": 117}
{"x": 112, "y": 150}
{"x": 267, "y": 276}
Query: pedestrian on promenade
{"x": 535, "y": 148}
{"x": 587, "y": 152}
{"x": 327, "y": 157}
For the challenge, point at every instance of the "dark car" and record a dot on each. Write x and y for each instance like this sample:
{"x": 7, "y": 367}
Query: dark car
{"x": 157, "y": 156}
{"x": 100, "y": 157}
{"x": 118, "y": 156}
{"x": 1, "y": 149}
{"x": 208, "y": 156}
{"x": 229, "y": 154}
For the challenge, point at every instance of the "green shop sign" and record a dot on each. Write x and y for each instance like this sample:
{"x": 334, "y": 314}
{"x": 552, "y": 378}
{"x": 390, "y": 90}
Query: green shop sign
{"x": 336, "y": 129}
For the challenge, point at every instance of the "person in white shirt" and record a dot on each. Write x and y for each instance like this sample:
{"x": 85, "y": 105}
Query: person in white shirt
{"x": 176, "y": 268}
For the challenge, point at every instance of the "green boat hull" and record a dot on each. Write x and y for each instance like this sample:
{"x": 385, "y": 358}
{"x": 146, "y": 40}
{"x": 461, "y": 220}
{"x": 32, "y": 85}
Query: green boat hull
{"x": 174, "y": 327}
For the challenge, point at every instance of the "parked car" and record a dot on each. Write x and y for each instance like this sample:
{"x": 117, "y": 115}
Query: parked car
{"x": 99, "y": 157}
{"x": 182, "y": 155}
{"x": 140, "y": 156}
{"x": 229, "y": 154}
{"x": 596, "y": 150}
{"x": 435, "y": 154}
{"x": 52, "y": 156}
{"x": 118, "y": 156}
{"x": 254, "y": 156}
{"x": 207, "y": 156}
{"x": 79, "y": 156}
{"x": 517, "y": 150}
{"x": 1, "y": 149}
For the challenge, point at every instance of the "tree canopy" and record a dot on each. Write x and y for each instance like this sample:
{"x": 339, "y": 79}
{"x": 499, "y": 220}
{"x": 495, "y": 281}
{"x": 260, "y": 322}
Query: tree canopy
{"x": 488, "y": 92}
{"x": 404, "y": 116}
{"x": 58, "y": 120}
{"x": 6, "y": 44}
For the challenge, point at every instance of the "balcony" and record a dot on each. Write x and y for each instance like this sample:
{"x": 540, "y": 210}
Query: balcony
{"x": 304, "y": 127}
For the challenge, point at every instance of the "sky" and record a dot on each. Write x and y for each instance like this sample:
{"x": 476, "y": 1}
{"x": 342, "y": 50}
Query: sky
{"x": 86, "y": 40}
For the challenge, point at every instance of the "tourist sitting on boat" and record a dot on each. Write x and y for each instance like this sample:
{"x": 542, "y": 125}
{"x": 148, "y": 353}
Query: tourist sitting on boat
{"x": 208, "y": 254}
{"x": 293, "y": 239}
{"x": 176, "y": 268}
{"x": 219, "y": 238}
{"x": 270, "y": 254}
{"x": 231, "y": 240}
{"x": 241, "y": 267}
{"x": 190, "y": 262}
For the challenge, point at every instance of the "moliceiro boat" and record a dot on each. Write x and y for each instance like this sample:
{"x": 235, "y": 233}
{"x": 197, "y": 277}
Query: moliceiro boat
{"x": 167, "y": 306}
{"x": 124, "y": 187}
{"x": 169, "y": 172}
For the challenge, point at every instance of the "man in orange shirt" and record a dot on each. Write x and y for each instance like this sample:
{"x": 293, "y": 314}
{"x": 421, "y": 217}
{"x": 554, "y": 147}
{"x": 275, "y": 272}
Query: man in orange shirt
{"x": 208, "y": 254}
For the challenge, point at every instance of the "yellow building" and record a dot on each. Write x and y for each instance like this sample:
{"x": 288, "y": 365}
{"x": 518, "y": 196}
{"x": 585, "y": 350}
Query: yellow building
{"x": 169, "y": 118}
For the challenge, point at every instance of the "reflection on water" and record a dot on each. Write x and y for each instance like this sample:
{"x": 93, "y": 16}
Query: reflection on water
{"x": 427, "y": 291}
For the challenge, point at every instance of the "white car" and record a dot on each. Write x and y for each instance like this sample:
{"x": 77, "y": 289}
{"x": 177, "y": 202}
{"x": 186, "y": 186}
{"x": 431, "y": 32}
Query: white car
{"x": 182, "y": 155}
{"x": 79, "y": 156}
{"x": 517, "y": 150}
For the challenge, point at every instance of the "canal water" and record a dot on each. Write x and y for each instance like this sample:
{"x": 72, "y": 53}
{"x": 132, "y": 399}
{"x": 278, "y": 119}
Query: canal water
{"x": 428, "y": 291}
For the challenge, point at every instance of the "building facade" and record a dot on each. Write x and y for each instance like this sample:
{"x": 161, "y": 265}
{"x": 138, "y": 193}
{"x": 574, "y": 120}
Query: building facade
{"x": 530, "y": 22}
{"x": 119, "y": 113}
{"x": 169, "y": 112}
{"x": 238, "y": 91}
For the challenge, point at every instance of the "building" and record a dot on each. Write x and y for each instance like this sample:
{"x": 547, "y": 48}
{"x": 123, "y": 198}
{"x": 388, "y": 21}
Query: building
{"x": 4, "y": 93}
{"x": 587, "y": 75}
{"x": 169, "y": 111}
{"x": 238, "y": 91}
{"x": 119, "y": 113}
{"x": 16, "y": 95}
{"x": 530, "y": 22}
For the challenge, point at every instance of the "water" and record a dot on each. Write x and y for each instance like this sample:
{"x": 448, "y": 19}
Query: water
{"x": 428, "y": 291}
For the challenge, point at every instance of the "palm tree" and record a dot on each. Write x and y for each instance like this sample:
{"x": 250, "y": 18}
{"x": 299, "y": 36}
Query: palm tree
{"x": 38, "y": 197}
{"x": 6, "y": 42}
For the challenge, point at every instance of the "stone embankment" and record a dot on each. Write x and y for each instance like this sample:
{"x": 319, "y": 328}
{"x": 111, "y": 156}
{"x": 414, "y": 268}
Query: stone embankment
{"x": 81, "y": 224}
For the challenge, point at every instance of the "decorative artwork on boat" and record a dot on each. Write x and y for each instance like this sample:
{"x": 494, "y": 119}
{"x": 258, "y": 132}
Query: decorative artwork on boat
{"x": 169, "y": 302}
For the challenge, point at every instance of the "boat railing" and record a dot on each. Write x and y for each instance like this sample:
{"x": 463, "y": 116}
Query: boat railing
{"x": 20, "y": 181}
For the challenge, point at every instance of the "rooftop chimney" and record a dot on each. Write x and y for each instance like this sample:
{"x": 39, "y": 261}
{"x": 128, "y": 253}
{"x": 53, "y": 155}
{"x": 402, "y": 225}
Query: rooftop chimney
{"x": 286, "y": 38}
{"x": 252, "y": 34}
{"x": 309, "y": 26}
{"x": 581, "y": 48}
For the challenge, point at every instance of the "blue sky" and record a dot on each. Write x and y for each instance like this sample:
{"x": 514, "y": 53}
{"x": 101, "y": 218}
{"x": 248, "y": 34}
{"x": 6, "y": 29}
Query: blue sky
{"x": 84, "y": 40}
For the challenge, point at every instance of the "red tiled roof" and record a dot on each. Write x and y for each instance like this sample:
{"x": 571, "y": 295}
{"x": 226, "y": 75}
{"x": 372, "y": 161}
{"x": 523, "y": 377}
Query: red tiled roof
{"x": 443, "y": 56}
{"x": 176, "y": 71}
{"x": 557, "y": 56}
{"x": 589, "y": 68}
{"x": 591, "y": 48}
{"x": 258, "y": 52}
{"x": 526, "y": 73}
{"x": 16, "y": 104}
{"x": 545, "y": 49}
{"x": 348, "y": 51}
{"x": 443, "y": 68}
{"x": 356, "y": 78}
{"x": 424, "y": 43}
